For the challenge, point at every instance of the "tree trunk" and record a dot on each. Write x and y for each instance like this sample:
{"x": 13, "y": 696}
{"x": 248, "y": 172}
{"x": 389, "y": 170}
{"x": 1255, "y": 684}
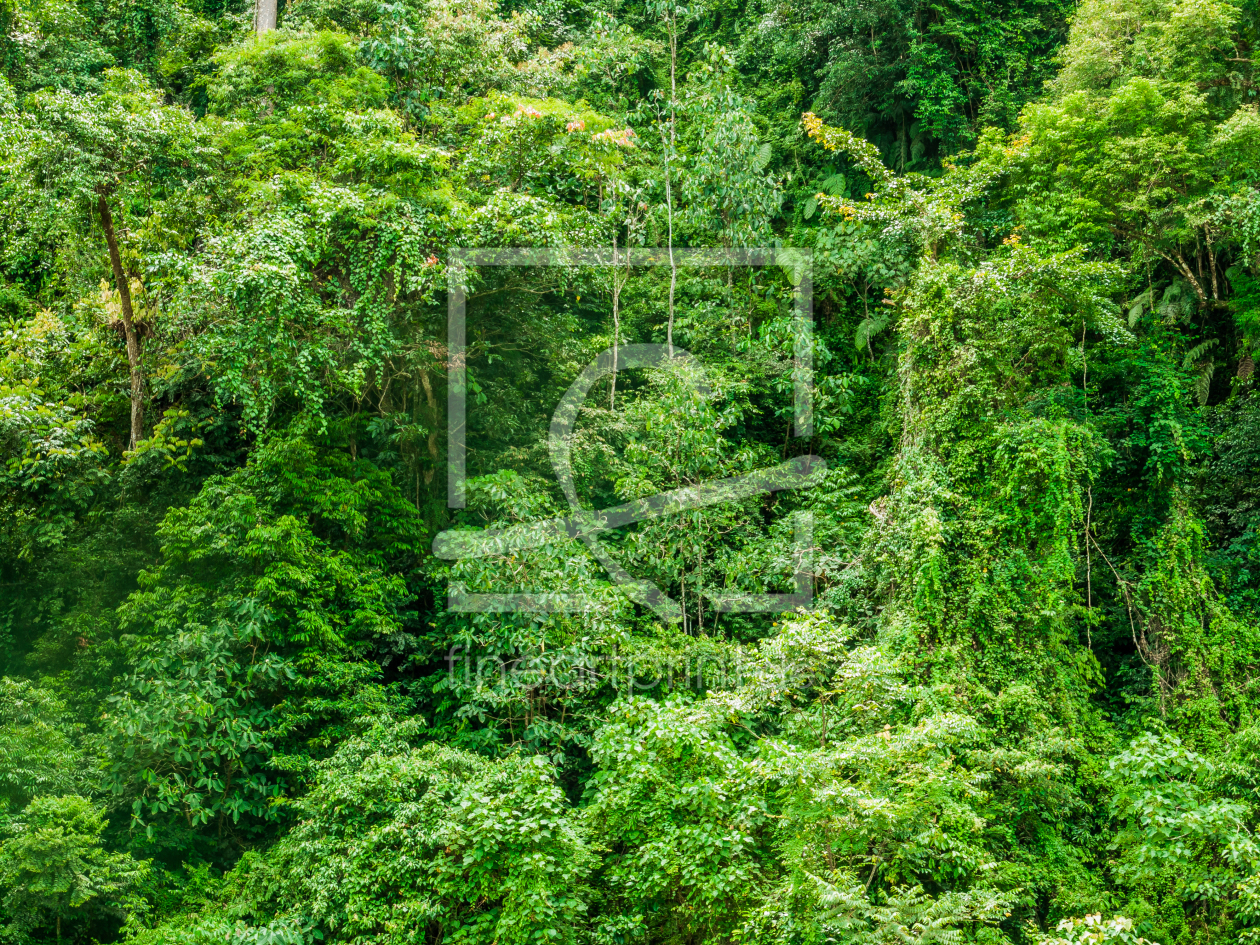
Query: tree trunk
{"x": 128, "y": 320}
{"x": 669, "y": 197}
{"x": 264, "y": 15}
{"x": 616, "y": 313}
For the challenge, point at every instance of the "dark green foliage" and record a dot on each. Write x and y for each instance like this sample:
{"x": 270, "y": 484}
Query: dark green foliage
{"x": 242, "y": 701}
{"x": 276, "y": 598}
{"x": 921, "y": 79}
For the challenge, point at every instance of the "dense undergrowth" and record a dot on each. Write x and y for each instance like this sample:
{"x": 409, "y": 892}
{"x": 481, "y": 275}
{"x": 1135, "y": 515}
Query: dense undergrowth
{"x": 237, "y": 703}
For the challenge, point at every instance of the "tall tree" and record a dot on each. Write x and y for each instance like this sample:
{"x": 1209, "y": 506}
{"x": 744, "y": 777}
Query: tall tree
{"x": 93, "y": 153}
{"x": 264, "y": 16}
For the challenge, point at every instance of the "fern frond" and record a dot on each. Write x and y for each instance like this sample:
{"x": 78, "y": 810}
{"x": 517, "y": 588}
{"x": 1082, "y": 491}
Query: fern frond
{"x": 1197, "y": 352}
{"x": 1203, "y": 383}
{"x": 834, "y": 185}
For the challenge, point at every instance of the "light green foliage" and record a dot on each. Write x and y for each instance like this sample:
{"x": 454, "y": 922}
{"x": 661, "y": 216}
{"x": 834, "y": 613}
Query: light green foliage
{"x": 399, "y": 843}
{"x": 436, "y": 53}
{"x": 824, "y": 826}
{"x": 1189, "y": 40}
{"x": 38, "y": 754}
{"x": 1148, "y": 140}
{"x": 1011, "y": 473}
{"x": 53, "y": 867}
{"x": 725, "y": 181}
{"x": 1095, "y": 929}
{"x": 1186, "y": 625}
{"x": 687, "y": 813}
{"x": 59, "y": 46}
{"x": 1174, "y": 828}
{"x": 1023, "y": 695}
{"x": 82, "y": 143}
{"x": 64, "y": 151}
{"x": 53, "y": 462}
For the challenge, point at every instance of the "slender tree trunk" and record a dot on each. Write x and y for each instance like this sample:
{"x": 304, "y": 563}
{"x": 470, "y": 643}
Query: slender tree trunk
{"x": 264, "y": 15}
{"x": 616, "y": 313}
{"x": 669, "y": 197}
{"x": 431, "y": 400}
{"x": 673, "y": 267}
{"x": 905, "y": 144}
{"x": 128, "y": 320}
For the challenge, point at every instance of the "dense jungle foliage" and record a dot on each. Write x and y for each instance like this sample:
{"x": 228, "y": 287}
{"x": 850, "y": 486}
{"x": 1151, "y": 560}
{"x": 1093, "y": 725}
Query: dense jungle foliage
{"x": 239, "y": 700}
